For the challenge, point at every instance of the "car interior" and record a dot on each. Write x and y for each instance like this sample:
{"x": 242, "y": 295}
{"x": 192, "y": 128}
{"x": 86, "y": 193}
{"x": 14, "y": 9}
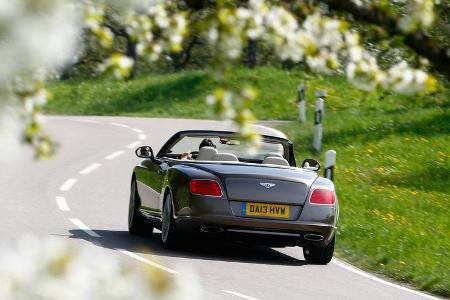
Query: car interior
{"x": 222, "y": 152}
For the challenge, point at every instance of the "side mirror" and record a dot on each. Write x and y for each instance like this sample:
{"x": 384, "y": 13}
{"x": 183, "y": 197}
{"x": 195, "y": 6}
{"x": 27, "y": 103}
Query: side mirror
{"x": 145, "y": 152}
{"x": 311, "y": 164}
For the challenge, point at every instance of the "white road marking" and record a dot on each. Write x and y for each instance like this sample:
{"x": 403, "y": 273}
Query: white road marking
{"x": 239, "y": 295}
{"x": 62, "y": 204}
{"x": 119, "y": 125}
{"x": 90, "y": 168}
{"x": 355, "y": 270}
{"x": 136, "y": 130}
{"x": 83, "y": 227}
{"x": 114, "y": 155}
{"x": 133, "y": 145}
{"x": 85, "y": 121}
{"x": 146, "y": 261}
{"x": 68, "y": 184}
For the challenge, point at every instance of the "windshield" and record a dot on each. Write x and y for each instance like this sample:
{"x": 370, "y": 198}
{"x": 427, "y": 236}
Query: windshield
{"x": 189, "y": 144}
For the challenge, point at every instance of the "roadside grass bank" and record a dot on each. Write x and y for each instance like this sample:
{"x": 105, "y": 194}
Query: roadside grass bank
{"x": 393, "y": 157}
{"x": 393, "y": 183}
{"x": 183, "y": 94}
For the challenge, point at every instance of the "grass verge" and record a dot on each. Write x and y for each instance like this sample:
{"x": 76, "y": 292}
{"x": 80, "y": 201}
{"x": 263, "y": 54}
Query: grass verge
{"x": 393, "y": 163}
{"x": 183, "y": 94}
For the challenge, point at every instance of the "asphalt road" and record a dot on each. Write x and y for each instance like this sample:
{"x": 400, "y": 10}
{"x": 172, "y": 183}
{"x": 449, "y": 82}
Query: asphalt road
{"x": 82, "y": 195}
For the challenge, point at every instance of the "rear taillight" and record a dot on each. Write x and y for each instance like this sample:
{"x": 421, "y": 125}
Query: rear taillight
{"x": 205, "y": 187}
{"x": 322, "y": 196}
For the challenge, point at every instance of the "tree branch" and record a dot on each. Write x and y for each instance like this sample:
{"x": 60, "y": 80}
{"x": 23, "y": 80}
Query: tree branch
{"x": 420, "y": 42}
{"x": 115, "y": 28}
{"x": 188, "y": 50}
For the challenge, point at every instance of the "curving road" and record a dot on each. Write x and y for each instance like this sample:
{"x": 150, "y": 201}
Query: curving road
{"x": 82, "y": 195}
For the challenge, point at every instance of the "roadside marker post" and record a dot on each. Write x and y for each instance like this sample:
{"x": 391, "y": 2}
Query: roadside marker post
{"x": 301, "y": 102}
{"x": 318, "y": 116}
{"x": 330, "y": 162}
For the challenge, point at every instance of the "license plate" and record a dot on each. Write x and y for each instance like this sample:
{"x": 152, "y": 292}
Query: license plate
{"x": 265, "y": 210}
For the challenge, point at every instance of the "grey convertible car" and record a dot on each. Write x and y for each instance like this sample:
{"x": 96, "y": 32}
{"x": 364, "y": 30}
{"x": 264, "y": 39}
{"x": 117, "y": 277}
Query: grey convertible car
{"x": 204, "y": 182}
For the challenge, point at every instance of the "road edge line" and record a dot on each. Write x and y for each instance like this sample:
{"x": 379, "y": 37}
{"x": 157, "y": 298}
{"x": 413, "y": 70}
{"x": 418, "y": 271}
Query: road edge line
{"x": 83, "y": 227}
{"x": 362, "y": 273}
{"x": 239, "y": 295}
{"x": 146, "y": 261}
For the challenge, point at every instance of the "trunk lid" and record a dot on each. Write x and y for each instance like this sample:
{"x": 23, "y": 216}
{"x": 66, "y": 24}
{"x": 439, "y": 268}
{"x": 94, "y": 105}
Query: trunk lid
{"x": 259, "y": 183}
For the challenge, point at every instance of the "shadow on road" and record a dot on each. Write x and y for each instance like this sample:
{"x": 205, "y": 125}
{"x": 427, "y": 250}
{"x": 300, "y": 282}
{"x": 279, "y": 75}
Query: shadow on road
{"x": 205, "y": 249}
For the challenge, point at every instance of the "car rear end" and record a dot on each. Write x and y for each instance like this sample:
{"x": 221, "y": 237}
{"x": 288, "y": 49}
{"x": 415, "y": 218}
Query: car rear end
{"x": 261, "y": 204}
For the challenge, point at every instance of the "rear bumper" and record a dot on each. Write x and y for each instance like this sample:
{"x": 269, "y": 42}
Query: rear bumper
{"x": 259, "y": 231}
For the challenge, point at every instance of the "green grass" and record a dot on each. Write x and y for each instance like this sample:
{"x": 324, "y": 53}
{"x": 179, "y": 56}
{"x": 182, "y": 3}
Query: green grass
{"x": 393, "y": 164}
{"x": 177, "y": 95}
{"x": 393, "y": 183}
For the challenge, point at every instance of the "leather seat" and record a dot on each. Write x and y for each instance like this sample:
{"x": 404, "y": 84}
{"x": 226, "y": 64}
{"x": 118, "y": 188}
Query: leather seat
{"x": 225, "y": 157}
{"x": 272, "y": 160}
{"x": 273, "y": 154}
{"x": 206, "y": 153}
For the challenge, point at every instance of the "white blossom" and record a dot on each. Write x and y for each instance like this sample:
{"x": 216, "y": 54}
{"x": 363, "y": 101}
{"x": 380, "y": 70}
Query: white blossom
{"x": 119, "y": 65}
{"x": 404, "y": 80}
{"x": 155, "y": 31}
{"x": 42, "y": 39}
{"x": 419, "y": 15}
{"x": 46, "y": 39}
{"x": 50, "y": 269}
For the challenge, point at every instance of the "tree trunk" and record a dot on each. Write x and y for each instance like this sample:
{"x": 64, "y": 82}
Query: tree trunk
{"x": 131, "y": 52}
{"x": 252, "y": 54}
{"x": 65, "y": 74}
{"x": 180, "y": 60}
{"x": 287, "y": 65}
{"x": 176, "y": 61}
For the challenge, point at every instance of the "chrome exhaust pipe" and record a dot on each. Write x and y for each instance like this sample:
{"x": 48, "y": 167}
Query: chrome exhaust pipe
{"x": 313, "y": 237}
{"x": 211, "y": 229}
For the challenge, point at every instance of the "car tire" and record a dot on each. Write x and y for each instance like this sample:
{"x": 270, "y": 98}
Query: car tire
{"x": 168, "y": 230}
{"x": 137, "y": 223}
{"x": 319, "y": 255}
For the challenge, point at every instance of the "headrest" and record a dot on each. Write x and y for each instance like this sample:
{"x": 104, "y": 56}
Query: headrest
{"x": 225, "y": 157}
{"x": 275, "y": 161}
{"x": 273, "y": 154}
{"x": 206, "y": 153}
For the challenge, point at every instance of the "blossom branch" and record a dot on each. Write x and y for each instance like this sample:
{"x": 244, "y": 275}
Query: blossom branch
{"x": 419, "y": 41}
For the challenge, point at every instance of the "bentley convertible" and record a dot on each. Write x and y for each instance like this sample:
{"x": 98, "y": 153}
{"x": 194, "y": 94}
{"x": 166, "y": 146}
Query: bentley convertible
{"x": 206, "y": 183}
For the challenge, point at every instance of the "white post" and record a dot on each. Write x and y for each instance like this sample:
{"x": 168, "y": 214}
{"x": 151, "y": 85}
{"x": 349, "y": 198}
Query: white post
{"x": 330, "y": 162}
{"x": 301, "y": 102}
{"x": 317, "y": 142}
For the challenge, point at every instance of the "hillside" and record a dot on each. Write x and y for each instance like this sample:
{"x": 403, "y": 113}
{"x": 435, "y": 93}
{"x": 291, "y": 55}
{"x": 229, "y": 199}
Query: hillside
{"x": 393, "y": 161}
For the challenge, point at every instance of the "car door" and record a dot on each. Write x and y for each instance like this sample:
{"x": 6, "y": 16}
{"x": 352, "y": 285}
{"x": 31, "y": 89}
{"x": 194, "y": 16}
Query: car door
{"x": 150, "y": 177}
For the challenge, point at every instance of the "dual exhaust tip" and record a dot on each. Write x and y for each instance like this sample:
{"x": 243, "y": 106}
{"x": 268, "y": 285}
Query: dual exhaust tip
{"x": 313, "y": 237}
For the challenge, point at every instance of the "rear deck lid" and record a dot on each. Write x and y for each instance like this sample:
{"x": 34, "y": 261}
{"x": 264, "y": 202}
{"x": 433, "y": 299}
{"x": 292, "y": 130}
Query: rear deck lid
{"x": 266, "y": 190}
{"x": 259, "y": 183}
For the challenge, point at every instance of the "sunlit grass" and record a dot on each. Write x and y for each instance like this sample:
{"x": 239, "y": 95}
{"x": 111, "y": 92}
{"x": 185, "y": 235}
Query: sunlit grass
{"x": 393, "y": 163}
{"x": 393, "y": 184}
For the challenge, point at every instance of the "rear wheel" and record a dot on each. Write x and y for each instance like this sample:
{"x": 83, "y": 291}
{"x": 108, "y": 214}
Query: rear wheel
{"x": 137, "y": 223}
{"x": 168, "y": 230}
{"x": 319, "y": 255}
